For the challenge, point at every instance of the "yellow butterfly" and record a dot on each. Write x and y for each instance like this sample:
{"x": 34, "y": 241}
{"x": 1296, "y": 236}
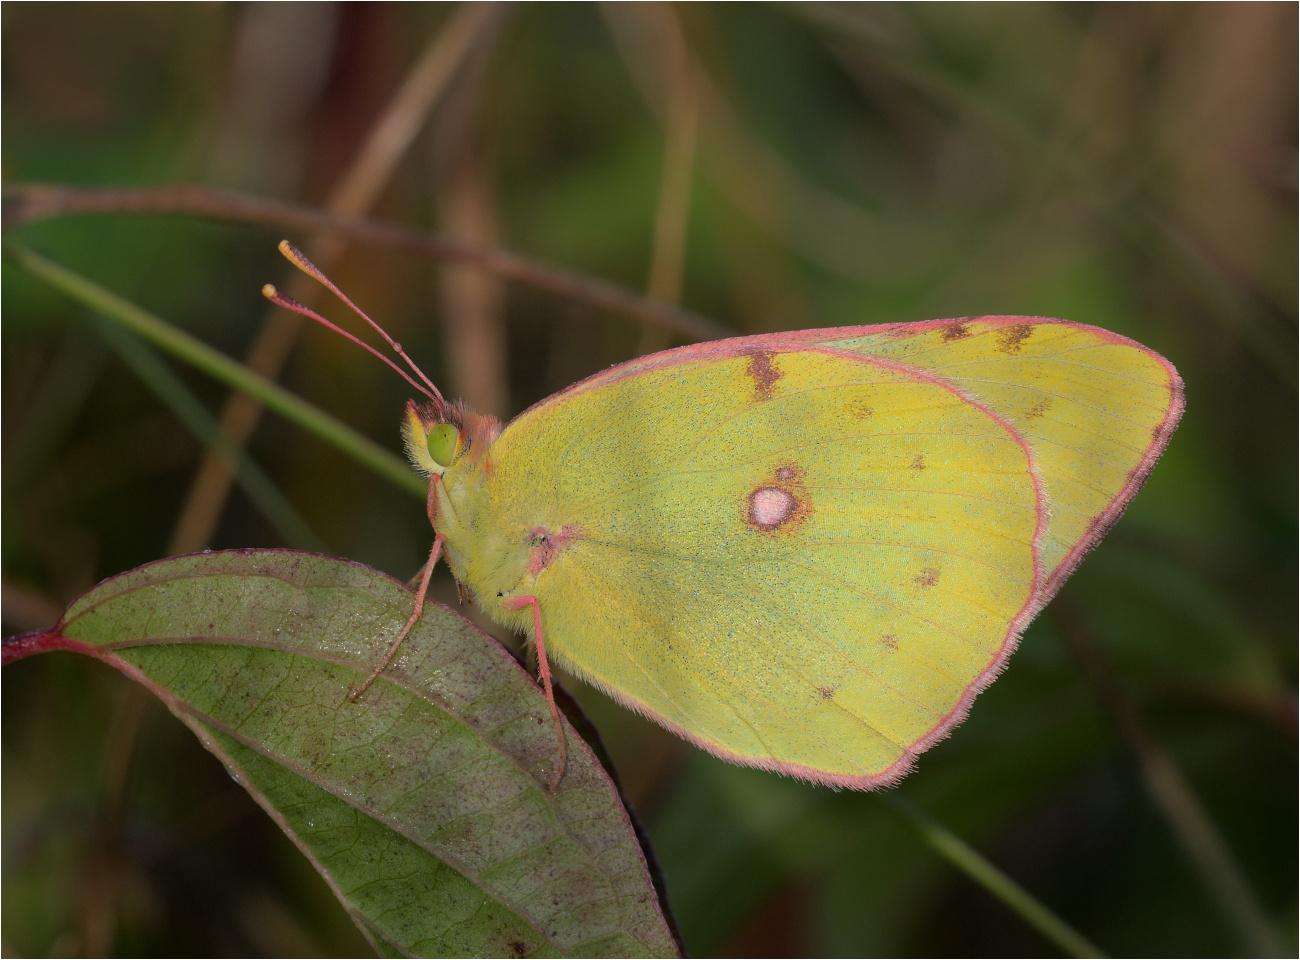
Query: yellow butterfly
{"x": 806, "y": 552}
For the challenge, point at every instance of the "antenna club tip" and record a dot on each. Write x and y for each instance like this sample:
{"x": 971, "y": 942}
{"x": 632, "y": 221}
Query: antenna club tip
{"x": 299, "y": 260}
{"x": 269, "y": 291}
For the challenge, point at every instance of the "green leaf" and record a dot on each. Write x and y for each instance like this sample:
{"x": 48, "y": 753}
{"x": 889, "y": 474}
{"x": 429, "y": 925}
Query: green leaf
{"x": 424, "y": 803}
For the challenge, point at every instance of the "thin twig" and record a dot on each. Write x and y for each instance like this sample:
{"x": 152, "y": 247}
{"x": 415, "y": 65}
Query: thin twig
{"x": 1173, "y": 797}
{"x": 33, "y": 202}
{"x": 351, "y": 196}
{"x": 473, "y": 301}
{"x": 766, "y": 189}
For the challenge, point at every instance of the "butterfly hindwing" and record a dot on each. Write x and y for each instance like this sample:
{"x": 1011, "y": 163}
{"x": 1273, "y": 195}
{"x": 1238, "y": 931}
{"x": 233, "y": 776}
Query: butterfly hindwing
{"x": 1096, "y": 408}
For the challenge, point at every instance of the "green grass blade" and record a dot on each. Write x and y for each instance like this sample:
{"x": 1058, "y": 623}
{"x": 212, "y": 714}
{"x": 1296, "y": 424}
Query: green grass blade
{"x": 188, "y": 409}
{"x": 970, "y": 862}
{"x": 221, "y": 367}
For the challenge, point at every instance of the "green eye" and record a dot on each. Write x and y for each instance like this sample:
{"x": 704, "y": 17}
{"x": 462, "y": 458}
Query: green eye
{"x": 442, "y": 443}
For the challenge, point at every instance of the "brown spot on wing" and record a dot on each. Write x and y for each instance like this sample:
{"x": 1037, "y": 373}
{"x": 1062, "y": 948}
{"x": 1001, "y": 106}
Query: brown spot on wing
{"x": 919, "y": 462}
{"x": 889, "y": 641}
{"x": 927, "y": 578}
{"x": 780, "y": 504}
{"x": 1011, "y": 339}
{"x": 1038, "y": 409}
{"x": 763, "y": 371}
{"x": 955, "y": 331}
{"x": 859, "y": 408}
{"x": 826, "y": 692}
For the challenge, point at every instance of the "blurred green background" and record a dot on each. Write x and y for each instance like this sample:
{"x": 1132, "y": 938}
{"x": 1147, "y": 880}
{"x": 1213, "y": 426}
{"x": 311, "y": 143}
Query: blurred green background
{"x": 772, "y": 167}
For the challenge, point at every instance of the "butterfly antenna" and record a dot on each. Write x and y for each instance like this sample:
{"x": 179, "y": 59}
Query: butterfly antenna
{"x": 289, "y": 303}
{"x": 299, "y": 260}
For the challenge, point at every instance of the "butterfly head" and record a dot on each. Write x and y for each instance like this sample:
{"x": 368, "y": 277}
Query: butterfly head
{"x": 439, "y": 435}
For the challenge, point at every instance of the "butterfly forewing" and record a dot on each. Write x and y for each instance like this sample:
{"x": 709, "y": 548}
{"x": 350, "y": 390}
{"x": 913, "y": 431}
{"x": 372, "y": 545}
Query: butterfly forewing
{"x": 803, "y": 558}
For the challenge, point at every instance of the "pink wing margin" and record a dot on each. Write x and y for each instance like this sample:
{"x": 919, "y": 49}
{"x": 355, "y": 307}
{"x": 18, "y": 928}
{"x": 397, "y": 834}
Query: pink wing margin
{"x": 1046, "y": 584}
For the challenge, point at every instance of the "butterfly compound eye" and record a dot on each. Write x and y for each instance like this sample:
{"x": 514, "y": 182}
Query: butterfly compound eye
{"x": 443, "y": 441}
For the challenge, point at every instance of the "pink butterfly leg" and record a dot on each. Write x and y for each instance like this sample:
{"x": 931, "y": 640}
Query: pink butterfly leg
{"x": 438, "y": 541}
{"x": 544, "y": 668}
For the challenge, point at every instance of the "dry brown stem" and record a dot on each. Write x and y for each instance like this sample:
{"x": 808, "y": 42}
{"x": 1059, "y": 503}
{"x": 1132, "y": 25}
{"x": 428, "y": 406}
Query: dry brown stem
{"x": 352, "y": 196}
{"x": 30, "y": 203}
{"x": 681, "y": 127}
